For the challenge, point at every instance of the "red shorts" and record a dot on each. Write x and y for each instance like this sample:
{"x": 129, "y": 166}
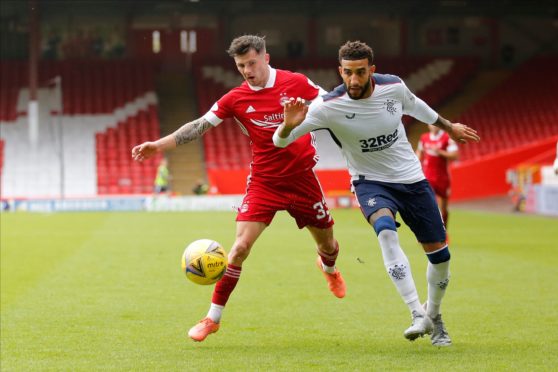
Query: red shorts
{"x": 301, "y": 196}
{"x": 441, "y": 187}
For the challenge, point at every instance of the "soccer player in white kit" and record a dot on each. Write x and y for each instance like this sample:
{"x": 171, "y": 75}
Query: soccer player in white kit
{"x": 363, "y": 116}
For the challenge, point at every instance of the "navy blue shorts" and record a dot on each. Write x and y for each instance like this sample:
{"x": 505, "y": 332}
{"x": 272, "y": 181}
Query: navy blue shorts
{"x": 415, "y": 202}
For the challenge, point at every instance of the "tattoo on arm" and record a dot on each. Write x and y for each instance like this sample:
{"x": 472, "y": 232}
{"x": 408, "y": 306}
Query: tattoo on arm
{"x": 443, "y": 124}
{"x": 191, "y": 131}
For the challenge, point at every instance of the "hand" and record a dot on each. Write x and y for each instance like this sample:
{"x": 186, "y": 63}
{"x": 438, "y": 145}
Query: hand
{"x": 461, "y": 133}
{"x": 295, "y": 112}
{"x": 144, "y": 151}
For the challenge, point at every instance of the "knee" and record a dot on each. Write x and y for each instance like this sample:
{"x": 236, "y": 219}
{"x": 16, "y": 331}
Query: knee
{"x": 386, "y": 230}
{"x": 384, "y": 223}
{"x": 240, "y": 250}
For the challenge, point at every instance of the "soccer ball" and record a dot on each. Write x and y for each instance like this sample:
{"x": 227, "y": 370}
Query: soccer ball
{"x": 204, "y": 261}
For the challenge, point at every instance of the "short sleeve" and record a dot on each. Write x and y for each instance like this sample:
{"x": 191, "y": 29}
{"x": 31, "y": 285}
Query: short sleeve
{"x": 220, "y": 110}
{"x": 308, "y": 89}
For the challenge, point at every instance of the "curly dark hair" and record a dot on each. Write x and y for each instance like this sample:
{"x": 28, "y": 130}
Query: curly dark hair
{"x": 354, "y": 50}
{"x": 242, "y": 45}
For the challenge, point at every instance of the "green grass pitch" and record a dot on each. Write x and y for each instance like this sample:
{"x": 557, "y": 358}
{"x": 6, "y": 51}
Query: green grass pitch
{"x": 104, "y": 291}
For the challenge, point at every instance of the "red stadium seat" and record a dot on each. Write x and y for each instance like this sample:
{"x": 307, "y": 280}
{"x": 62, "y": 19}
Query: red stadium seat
{"x": 507, "y": 117}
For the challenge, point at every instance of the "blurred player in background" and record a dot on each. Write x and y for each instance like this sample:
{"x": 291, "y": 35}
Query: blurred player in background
{"x": 280, "y": 179}
{"x": 364, "y": 117}
{"x": 435, "y": 149}
{"x": 161, "y": 182}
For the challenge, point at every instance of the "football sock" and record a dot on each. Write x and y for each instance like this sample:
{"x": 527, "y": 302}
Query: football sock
{"x": 225, "y": 286}
{"x": 399, "y": 269}
{"x": 328, "y": 260}
{"x": 437, "y": 276}
{"x": 215, "y": 312}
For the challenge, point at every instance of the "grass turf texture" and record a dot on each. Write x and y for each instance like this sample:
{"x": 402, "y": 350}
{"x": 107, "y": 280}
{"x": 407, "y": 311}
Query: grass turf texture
{"x": 105, "y": 291}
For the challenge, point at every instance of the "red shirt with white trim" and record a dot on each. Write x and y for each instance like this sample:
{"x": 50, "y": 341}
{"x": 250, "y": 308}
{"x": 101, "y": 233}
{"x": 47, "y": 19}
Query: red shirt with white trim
{"x": 259, "y": 111}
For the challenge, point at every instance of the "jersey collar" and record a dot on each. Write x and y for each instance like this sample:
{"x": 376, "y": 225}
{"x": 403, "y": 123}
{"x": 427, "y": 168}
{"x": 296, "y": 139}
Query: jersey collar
{"x": 270, "y": 81}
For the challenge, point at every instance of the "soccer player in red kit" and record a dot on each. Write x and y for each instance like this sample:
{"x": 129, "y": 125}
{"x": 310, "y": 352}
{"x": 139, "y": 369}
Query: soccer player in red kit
{"x": 280, "y": 179}
{"x": 434, "y": 150}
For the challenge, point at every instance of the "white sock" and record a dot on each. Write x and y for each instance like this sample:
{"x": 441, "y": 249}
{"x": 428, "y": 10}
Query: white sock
{"x": 215, "y": 312}
{"x": 399, "y": 269}
{"x": 437, "y": 276}
{"x": 328, "y": 269}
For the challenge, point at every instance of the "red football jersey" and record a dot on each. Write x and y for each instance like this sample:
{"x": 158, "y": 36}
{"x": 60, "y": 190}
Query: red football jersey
{"x": 435, "y": 167}
{"x": 259, "y": 111}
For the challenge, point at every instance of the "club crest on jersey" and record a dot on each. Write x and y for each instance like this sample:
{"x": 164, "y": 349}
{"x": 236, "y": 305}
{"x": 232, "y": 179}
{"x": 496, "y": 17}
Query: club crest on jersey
{"x": 283, "y": 99}
{"x": 390, "y": 106}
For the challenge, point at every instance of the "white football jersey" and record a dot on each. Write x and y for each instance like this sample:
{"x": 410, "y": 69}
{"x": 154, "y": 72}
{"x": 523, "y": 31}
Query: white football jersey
{"x": 369, "y": 131}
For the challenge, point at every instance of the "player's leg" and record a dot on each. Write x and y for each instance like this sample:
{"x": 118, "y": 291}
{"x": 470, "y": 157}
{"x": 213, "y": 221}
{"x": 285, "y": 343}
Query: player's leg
{"x": 437, "y": 276}
{"x": 399, "y": 270}
{"x": 379, "y": 203}
{"x": 442, "y": 191}
{"x": 443, "y": 205}
{"x": 423, "y": 217}
{"x": 308, "y": 207}
{"x": 247, "y": 232}
{"x": 395, "y": 260}
{"x": 328, "y": 249}
{"x": 437, "y": 273}
{"x": 326, "y": 246}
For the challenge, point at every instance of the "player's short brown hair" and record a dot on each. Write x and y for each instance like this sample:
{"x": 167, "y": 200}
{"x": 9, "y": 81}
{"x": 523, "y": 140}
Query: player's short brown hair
{"x": 242, "y": 45}
{"x": 355, "y": 50}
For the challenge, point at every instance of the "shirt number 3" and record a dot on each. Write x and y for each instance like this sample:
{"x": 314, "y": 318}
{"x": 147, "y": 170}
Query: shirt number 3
{"x": 319, "y": 206}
